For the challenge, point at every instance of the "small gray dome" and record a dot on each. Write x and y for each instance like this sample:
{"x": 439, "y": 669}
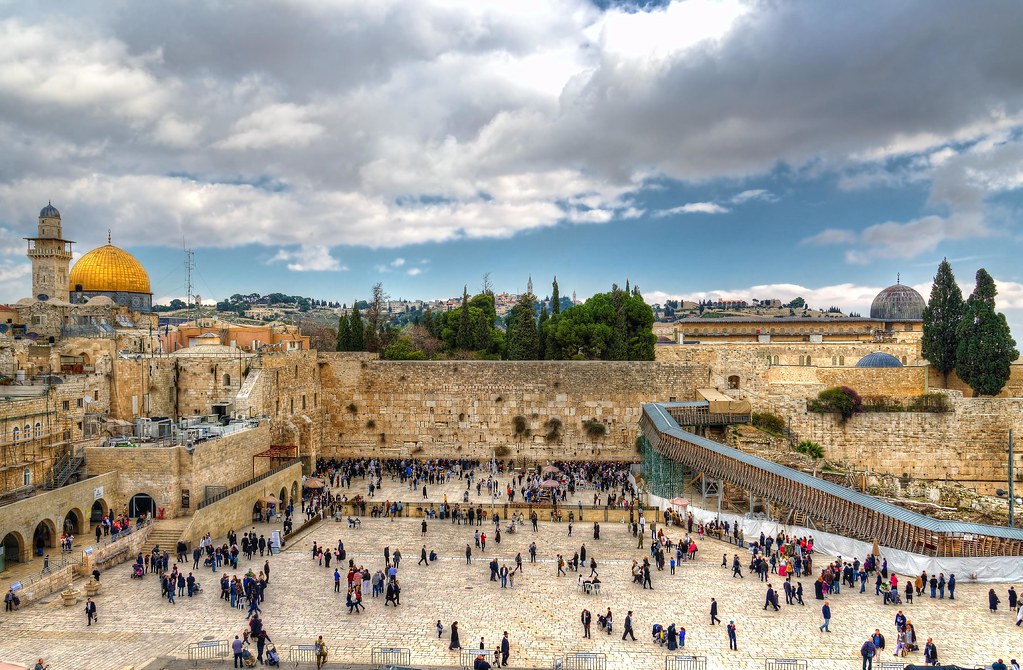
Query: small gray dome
{"x": 898, "y": 303}
{"x": 879, "y": 359}
{"x": 49, "y": 212}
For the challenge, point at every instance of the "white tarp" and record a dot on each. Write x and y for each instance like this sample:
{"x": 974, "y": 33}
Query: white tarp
{"x": 1002, "y": 569}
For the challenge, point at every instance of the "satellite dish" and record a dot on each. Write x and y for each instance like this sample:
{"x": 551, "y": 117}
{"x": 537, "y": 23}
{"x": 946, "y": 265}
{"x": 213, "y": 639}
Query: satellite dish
{"x": 42, "y": 297}
{"x": 4, "y": 328}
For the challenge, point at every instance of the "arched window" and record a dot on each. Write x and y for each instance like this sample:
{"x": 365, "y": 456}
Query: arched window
{"x": 807, "y": 360}
{"x": 28, "y": 432}
{"x": 26, "y": 476}
{"x": 227, "y": 380}
{"x": 16, "y": 433}
{"x": 38, "y": 431}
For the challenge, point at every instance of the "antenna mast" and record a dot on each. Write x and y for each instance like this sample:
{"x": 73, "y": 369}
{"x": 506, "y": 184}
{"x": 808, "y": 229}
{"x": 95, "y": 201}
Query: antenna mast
{"x": 189, "y": 266}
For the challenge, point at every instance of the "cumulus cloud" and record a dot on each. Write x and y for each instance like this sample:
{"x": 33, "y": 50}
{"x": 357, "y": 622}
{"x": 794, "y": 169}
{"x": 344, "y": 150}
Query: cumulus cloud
{"x": 465, "y": 120}
{"x": 315, "y": 258}
{"x": 414, "y": 272}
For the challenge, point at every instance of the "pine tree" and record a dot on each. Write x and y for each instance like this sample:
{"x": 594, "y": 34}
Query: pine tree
{"x": 356, "y": 329}
{"x": 344, "y": 335}
{"x": 463, "y": 336}
{"x": 555, "y": 299}
{"x": 986, "y": 348}
{"x": 618, "y": 348}
{"x": 523, "y": 342}
{"x": 541, "y": 333}
{"x": 942, "y": 315}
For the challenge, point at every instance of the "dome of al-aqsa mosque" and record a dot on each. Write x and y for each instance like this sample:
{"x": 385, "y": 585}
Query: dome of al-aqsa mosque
{"x": 898, "y": 303}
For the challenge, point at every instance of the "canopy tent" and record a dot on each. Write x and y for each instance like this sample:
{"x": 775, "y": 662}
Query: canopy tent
{"x": 270, "y": 500}
{"x": 551, "y": 468}
{"x": 312, "y": 483}
{"x": 550, "y": 484}
{"x": 723, "y": 404}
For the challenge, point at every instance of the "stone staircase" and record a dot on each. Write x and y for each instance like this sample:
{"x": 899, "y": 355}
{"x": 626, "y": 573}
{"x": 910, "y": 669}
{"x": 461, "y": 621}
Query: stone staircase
{"x": 166, "y": 533}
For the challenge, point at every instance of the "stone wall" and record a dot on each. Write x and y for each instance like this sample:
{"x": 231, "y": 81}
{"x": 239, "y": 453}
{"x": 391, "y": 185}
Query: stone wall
{"x": 469, "y": 408}
{"x": 165, "y": 473}
{"x": 1013, "y": 387}
{"x": 52, "y": 508}
{"x": 807, "y": 382}
{"x": 235, "y": 511}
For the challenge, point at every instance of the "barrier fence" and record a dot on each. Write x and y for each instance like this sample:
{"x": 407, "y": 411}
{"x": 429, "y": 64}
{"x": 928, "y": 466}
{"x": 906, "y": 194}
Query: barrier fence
{"x": 585, "y": 661}
{"x": 683, "y": 662}
{"x": 303, "y": 653}
{"x": 785, "y": 664}
{"x": 209, "y": 650}
{"x": 384, "y": 657}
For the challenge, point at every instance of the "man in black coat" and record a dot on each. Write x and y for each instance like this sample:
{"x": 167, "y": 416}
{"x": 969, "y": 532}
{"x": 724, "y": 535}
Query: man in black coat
{"x": 505, "y": 649}
{"x": 90, "y": 611}
{"x": 714, "y": 612}
{"x": 586, "y": 618}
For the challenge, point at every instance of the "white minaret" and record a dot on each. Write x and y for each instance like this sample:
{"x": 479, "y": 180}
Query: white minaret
{"x": 51, "y": 257}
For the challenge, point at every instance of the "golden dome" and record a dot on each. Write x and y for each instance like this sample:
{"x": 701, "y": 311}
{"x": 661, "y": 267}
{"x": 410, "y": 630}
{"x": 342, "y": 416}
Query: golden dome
{"x": 109, "y": 268}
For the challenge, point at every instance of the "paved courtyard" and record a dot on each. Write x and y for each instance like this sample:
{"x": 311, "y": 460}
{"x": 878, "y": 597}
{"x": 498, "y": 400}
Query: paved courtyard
{"x": 541, "y": 612}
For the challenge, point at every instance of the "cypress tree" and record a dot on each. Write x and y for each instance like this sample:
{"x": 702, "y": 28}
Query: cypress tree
{"x": 942, "y": 315}
{"x": 523, "y": 343}
{"x": 344, "y": 336}
{"x": 541, "y": 333}
{"x": 618, "y": 348}
{"x": 463, "y": 336}
{"x": 555, "y": 298}
{"x": 356, "y": 330}
{"x": 986, "y": 348}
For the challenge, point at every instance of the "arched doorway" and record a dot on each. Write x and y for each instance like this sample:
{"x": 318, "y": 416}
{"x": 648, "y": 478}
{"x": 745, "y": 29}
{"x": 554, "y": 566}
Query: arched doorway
{"x": 74, "y": 522}
{"x": 44, "y": 537}
{"x": 257, "y": 511}
{"x": 141, "y": 503}
{"x": 733, "y": 381}
{"x": 14, "y": 547}
{"x": 99, "y": 510}
{"x": 283, "y": 496}
{"x": 294, "y": 492}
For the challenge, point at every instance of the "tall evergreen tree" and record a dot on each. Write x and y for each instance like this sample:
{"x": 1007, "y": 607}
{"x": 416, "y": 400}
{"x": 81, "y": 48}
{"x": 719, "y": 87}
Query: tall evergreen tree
{"x": 356, "y": 329}
{"x": 555, "y": 299}
{"x": 523, "y": 342}
{"x": 344, "y": 335}
{"x": 618, "y": 347}
{"x": 541, "y": 333}
{"x": 463, "y": 336}
{"x": 986, "y": 348}
{"x": 942, "y": 315}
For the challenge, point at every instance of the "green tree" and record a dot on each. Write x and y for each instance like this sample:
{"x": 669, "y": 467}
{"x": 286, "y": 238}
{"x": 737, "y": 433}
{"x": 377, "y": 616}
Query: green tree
{"x": 942, "y": 316}
{"x": 463, "y": 336}
{"x": 986, "y": 348}
{"x": 344, "y": 334}
{"x": 541, "y": 333}
{"x": 523, "y": 342}
{"x": 402, "y": 349}
{"x": 619, "y": 348}
{"x": 555, "y": 298}
{"x": 356, "y": 330}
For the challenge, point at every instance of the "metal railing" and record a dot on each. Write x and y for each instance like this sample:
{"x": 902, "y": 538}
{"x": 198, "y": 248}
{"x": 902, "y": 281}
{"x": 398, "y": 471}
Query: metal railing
{"x": 209, "y": 650}
{"x": 247, "y": 483}
{"x": 683, "y": 662}
{"x": 585, "y": 661}
{"x": 384, "y": 657}
{"x": 302, "y": 653}
{"x": 785, "y": 664}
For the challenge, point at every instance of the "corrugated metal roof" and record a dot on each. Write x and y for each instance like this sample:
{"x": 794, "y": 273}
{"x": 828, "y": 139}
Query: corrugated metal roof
{"x": 664, "y": 423}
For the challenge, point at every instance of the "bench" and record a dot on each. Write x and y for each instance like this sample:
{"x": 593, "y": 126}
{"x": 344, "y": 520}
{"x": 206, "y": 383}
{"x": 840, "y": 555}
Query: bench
{"x": 209, "y": 650}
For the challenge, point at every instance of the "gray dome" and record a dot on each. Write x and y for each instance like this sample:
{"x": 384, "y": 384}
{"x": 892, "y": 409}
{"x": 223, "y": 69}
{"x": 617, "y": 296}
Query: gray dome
{"x": 879, "y": 359}
{"x": 49, "y": 212}
{"x": 898, "y": 303}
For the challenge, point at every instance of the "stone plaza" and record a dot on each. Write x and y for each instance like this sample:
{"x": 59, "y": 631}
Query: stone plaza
{"x": 541, "y": 612}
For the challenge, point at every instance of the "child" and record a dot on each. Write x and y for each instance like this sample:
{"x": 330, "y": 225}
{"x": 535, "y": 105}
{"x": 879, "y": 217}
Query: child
{"x": 440, "y": 629}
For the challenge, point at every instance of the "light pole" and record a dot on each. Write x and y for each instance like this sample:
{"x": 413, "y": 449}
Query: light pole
{"x": 1012, "y": 493}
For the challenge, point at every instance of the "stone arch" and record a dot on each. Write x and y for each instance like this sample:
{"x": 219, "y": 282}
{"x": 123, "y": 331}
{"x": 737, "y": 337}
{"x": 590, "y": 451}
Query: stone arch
{"x": 141, "y": 503}
{"x": 283, "y": 495}
{"x": 74, "y": 522}
{"x": 257, "y": 511}
{"x": 14, "y": 547}
{"x": 294, "y": 492}
{"x": 44, "y": 537}
{"x": 733, "y": 381}
{"x": 100, "y": 509}
{"x": 227, "y": 380}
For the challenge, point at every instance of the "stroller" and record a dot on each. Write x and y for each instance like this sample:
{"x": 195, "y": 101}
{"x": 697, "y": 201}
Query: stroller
{"x": 604, "y": 623}
{"x": 248, "y": 659}
{"x": 894, "y": 597}
{"x": 658, "y": 634}
{"x": 137, "y": 572}
{"x": 273, "y": 659}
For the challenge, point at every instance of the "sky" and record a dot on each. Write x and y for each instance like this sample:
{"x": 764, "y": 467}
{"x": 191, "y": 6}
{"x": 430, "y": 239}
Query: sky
{"x": 699, "y": 149}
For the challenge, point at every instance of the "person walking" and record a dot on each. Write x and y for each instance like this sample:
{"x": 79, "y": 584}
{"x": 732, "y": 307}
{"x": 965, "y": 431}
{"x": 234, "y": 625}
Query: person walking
{"x": 586, "y": 618}
{"x": 733, "y": 642}
{"x": 628, "y": 626}
{"x": 320, "y": 649}
{"x": 714, "y": 612}
{"x": 826, "y": 613}
{"x": 422, "y": 556}
{"x": 867, "y": 651}
{"x": 90, "y": 611}
{"x": 455, "y": 643}
{"x": 930, "y": 652}
{"x": 468, "y": 554}
{"x": 992, "y": 600}
{"x": 952, "y": 586}
{"x": 505, "y": 649}
{"x": 237, "y": 647}
{"x": 736, "y": 568}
